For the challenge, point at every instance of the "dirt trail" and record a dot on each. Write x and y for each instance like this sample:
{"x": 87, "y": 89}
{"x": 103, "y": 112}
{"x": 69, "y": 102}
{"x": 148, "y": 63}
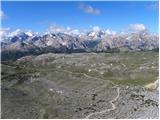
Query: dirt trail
{"x": 106, "y": 110}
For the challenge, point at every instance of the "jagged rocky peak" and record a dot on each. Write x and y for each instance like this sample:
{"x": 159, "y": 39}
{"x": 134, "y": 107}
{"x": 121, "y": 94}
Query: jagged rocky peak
{"x": 93, "y": 40}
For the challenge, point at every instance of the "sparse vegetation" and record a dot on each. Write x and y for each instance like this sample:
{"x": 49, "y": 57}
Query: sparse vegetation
{"x": 62, "y": 86}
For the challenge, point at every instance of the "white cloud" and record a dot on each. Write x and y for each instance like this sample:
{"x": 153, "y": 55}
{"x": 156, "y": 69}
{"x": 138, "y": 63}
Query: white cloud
{"x": 55, "y": 29}
{"x": 4, "y": 32}
{"x": 89, "y": 9}
{"x": 75, "y": 32}
{"x": 68, "y": 28}
{"x": 29, "y": 33}
{"x": 60, "y": 29}
{"x": 16, "y": 32}
{"x": 7, "y": 32}
{"x": 136, "y": 27}
{"x": 110, "y": 32}
{"x": 2, "y": 15}
{"x": 96, "y": 28}
{"x": 71, "y": 31}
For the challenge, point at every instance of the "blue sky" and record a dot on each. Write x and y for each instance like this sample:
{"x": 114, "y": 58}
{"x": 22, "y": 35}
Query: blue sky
{"x": 38, "y": 16}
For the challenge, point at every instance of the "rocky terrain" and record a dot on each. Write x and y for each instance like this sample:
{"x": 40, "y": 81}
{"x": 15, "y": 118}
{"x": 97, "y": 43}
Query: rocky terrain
{"x": 80, "y": 85}
{"x": 19, "y": 43}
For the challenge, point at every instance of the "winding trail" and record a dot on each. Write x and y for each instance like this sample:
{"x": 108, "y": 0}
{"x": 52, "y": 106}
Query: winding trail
{"x": 111, "y": 102}
{"x": 106, "y": 110}
{"x": 88, "y": 76}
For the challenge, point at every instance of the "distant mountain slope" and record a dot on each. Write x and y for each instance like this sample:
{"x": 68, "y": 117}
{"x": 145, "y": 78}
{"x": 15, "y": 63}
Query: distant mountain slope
{"x": 25, "y": 43}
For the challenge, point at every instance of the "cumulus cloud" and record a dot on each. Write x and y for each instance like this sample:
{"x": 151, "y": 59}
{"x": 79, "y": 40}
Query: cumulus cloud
{"x": 16, "y": 32}
{"x": 7, "y": 32}
{"x": 110, "y": 32}
{"x": 96, "y": 28}
{"x": 4, "y": 32}
{"x": 55, "y": 29}
{"x": 136, "y": 27}
{"x": 89, "y": 9}
{"x": 71, "y": 31}
{"x": 2, "y": 15}
{"x": 75, "y": 32}
{"x": 61, "y": 29}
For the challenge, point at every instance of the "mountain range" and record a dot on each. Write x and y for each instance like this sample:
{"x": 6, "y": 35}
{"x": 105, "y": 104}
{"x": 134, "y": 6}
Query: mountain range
{"x": 19, "y": 43}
